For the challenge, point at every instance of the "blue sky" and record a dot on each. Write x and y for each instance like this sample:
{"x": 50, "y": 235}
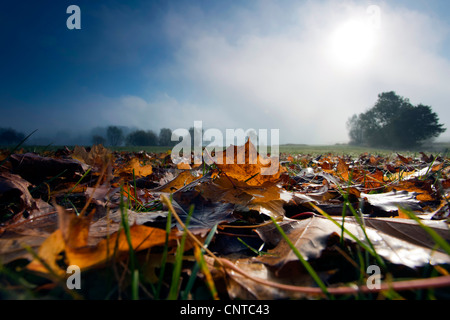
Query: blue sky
{"x": 303, "y": 67}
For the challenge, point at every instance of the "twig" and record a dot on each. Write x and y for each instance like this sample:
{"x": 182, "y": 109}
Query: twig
{"x": 97, "y": 184}
{"x": 254, "y": 226}
{"x": 437, "y": 282}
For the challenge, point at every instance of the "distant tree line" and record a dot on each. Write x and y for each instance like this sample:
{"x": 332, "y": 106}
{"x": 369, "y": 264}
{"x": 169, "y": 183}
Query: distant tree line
{"x": 109, "y": 136}
{"x": 394, "y": 122}
{"x": 115, "y": 136}
{"x": 9, "y": 136}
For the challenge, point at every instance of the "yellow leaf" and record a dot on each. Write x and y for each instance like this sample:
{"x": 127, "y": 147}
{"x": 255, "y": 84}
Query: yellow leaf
{"x": 139, "y": 170}
{"x": 182, "y": 179}
{"x": 49, "y": 252}
{"x": 247, "y": 165}
{"x": 72, "y": 240}
{"x": 183, "y": 166}
{"x": 142, "y": 237}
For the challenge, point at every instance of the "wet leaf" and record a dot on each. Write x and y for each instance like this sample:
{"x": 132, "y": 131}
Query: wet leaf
{"x": 242, "y": 288}
{"x": 422, "y": 189}
{"x": 311, "y": 237}
{"x": 391, "y": 201}
{"x": 207, "y": 211}
{"x": 234, "y": 195}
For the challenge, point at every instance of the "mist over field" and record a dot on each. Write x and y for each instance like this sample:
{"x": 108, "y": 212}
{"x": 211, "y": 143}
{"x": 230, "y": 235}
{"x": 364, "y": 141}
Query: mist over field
{"x": 299, "y": 66}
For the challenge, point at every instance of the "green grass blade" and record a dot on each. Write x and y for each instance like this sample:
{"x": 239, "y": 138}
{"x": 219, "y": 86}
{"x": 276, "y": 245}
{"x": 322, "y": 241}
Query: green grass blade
{"x": 368, "y": 248}
{"x": 78, "y": 182}
{"x": 175, "y": 285}
{"x": 248, "y": 247}
{"x": 441, "y": 242}
{"x": 48, "y": 181}
{"x": 361, "y": 224}
{"x": 133, "y": 266}
{"x": 17, "y": 147}
{"x": 164, "y": 255}
{"x": 196, "y": 267}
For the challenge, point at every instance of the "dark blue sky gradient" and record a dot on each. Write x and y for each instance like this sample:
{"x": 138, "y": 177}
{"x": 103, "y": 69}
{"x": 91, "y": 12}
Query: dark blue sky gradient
{"x": 41, "y": 57}
{"x": 59, "y": 80}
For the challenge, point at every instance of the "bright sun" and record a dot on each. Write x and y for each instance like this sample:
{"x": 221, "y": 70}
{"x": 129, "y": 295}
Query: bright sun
{"x": 352, "y": 44}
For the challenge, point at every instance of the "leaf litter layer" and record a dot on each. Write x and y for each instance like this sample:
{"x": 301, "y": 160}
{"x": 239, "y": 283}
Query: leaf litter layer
{"x": 139, "y": 226}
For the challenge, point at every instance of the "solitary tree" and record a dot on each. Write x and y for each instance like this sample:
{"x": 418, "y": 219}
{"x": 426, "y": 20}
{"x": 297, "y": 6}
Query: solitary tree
{"x": 394, "y": 122}
{"x": 114, "y": 135}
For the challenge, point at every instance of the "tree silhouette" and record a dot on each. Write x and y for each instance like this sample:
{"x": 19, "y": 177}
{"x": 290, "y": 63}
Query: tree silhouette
{"x": 10, "y": 136}
{"x": 165, "y": 137}
{"x": 394, "y": 122}
{"x": 142, "y": 138}
{"x": 114, "y": 135}
{"x": 97, "y": 139}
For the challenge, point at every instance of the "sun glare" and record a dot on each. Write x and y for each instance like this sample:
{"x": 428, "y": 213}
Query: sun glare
{"x": 352, "y": 44}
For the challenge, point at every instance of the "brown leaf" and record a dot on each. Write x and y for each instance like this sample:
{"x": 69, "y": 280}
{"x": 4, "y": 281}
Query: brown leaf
{"x": 423, "y": 189}
{"x": 50, "y": 252}
{"x": 264, "y": 198}
{"x": 404, "y": 159}
{"x": 140, "y": 170}
{"x": 37, "y": 169}
{"x": 98, "y": 156}
{"x": 142, "y": 237}
{"x": 182, "y": 179}
{"x": 31, "y": 232}
{"x": 72, "y": 239}
{"x": 183, "y": 166}
{"x": 391, "y": 201}
{"x": 12, "y": 186}
{"x": 426, "y": 158}
{"x": 242, "y": 288}
{"x": 398, "y": 241}
{"x": 243, "y": 163}
{"x": 74, "y": 229}
{"x": 342, "y": 169}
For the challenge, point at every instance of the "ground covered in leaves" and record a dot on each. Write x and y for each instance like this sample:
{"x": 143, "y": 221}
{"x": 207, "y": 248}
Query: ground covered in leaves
{"x": 139, "y": 226}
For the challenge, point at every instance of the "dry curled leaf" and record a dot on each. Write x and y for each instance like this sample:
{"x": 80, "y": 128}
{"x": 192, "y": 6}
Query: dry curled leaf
{"x": 244, "y": 163}
{"x": 71, "y": 241}
{"x": 182, "y": 179}
{"x": 98, "y": 156}
{"x": 13, "y": 189}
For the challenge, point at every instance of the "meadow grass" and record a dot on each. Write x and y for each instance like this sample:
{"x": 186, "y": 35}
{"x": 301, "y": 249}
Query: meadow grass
{"x": 293, "y": 149}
